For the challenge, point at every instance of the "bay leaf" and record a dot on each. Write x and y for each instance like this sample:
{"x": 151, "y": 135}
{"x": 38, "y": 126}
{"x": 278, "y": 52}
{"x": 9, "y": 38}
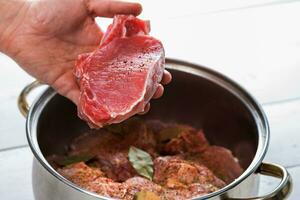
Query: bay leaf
{"x": 141, "y": 162}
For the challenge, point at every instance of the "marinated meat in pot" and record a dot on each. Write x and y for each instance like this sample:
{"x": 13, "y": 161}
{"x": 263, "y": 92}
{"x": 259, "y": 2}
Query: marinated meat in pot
{"x": 109, "y": 147}
{"x": 175, "y": 172}
{"x": 93, "y": 180}
{"x": 178, "y": 161}
{"x": 120, "y": 77}
{"x": 137, "y": 184}
{"x": 80, "y": 173}
{"x": 186, "y": 139}
{"x": 195, "y": 180}
{"x": 220, "y": 161}
{"x": 115, "y": 165}
{"x": 107, "y": 187}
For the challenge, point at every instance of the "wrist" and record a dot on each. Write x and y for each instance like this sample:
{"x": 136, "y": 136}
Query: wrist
{"x": 11, "y": 14}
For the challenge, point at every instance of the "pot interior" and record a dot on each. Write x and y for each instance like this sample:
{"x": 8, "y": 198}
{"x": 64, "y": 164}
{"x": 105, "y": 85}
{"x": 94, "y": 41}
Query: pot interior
{"x": 191, "y": 99}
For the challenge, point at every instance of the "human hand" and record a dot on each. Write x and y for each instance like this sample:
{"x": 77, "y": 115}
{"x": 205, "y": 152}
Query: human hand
{"x": 46, "y": 37}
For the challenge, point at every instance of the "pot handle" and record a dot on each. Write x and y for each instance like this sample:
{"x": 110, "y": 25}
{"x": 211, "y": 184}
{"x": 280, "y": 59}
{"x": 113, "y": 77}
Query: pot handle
{"x": 282, "y": 190}
{"x": 22, "y": 99}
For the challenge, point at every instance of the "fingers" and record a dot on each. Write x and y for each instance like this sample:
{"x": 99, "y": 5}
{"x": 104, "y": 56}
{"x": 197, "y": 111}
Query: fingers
{"x": 66, "y": 85}
{"x": 109, "y": 8}
{"x": 146, "y": 109}
{"x": 73, "y": 96}
{"x": 159, "y": 92}
{"x": 167, "y": 77}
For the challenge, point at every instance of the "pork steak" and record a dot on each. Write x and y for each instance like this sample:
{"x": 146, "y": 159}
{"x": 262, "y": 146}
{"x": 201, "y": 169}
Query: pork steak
{"x": 119, "y": 78}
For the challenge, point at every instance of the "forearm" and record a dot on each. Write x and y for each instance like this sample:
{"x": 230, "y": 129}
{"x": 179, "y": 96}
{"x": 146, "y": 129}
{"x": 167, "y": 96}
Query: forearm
{"x": 11, "y": 12}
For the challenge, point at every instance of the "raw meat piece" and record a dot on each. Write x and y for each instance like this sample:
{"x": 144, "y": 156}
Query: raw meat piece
{"x": 119, "y": 78}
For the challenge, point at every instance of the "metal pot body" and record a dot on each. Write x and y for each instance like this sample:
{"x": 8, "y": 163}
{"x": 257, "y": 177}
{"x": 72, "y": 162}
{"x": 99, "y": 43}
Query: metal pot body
{"x": 197, "y": 96}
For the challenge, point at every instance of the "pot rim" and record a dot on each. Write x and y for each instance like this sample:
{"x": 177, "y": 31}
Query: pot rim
{"x": 248, "y": 100}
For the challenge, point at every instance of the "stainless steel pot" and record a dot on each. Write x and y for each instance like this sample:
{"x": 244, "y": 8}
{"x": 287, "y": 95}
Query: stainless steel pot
{"x": 198, "y": 96}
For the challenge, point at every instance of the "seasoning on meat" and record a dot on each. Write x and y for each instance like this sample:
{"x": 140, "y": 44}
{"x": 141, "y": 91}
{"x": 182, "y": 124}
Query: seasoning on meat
{"x": 175, "y": 172}
{"x": 186, "y": 140}
{"x": 183, "y": 163}
{"x": 119, "y": 78}
{"x": 223, "y": 164}
{"x": 80, "y": 173}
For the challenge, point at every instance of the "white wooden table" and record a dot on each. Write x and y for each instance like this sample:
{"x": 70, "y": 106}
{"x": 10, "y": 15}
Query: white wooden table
{"x": 256, "y": 43}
